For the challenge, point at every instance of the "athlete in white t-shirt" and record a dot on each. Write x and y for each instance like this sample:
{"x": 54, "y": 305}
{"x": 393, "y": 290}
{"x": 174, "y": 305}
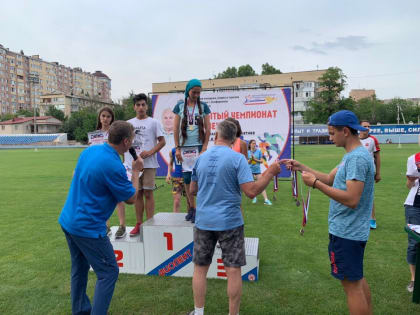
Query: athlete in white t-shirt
{"x": 412, "y": 211}
{"x": 372, "y": 145}
{"x": 148, "y": 140}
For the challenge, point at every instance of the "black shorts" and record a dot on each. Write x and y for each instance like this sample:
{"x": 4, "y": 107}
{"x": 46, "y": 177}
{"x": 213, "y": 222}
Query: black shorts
{"x": 232, "y": 243}
{"x": 346, "y": 257}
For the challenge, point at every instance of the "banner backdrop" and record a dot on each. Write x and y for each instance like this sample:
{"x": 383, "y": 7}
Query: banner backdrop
{"x": 264, "y": 115}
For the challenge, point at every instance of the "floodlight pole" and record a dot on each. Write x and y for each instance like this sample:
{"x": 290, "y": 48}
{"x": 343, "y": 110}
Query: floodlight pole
{"x": 34, "y": 80}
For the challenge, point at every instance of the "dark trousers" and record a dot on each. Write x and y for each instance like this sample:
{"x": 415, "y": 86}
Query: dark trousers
{"x": 98, "y": 253}
{"x": 412, "y": 216}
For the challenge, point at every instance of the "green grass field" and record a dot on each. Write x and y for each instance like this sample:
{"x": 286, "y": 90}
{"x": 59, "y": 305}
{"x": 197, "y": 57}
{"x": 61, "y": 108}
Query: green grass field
{"x": 294, "y": 270}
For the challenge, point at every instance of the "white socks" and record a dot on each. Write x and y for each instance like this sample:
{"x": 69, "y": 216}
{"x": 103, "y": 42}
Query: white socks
{"x": 198, "y": 310}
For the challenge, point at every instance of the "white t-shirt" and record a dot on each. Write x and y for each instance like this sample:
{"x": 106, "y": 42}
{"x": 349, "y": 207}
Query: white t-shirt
{"x": 412, "y": 171}
{"x": 147, "y": 132}
{"x": 369, "y": 144}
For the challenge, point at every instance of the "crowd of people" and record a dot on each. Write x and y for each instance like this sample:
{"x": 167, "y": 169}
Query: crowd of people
{"x": 212, "y": 179}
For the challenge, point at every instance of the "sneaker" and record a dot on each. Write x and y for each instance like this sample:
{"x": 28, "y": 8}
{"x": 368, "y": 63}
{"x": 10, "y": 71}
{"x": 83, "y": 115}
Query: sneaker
{"x": 193, "y": 216}
{"x": 108, "y": 231}
{"x": 372, "y": 224}
{"x": 191, "y": 313}
{"x": 120, "y": 232}
{"x": 268, "y": 202}
{"x": 189, "y": 214}
{"x": 136, "y": 230}
{"x": 410, "y": 287}
{"x": 254, "y": 200}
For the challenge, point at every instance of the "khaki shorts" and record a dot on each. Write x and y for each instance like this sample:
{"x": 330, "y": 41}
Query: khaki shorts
{"x": 147, "y": 179}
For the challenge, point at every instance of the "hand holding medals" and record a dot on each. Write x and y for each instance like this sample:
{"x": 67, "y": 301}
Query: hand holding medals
{"x": 295, "y": 166}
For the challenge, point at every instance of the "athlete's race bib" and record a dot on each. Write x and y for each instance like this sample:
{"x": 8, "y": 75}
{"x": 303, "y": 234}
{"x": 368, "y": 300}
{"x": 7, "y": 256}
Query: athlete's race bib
{"x": 189, "y": 157}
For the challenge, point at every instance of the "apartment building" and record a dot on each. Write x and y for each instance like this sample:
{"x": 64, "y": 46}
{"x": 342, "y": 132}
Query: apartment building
{"x": 304, "y": 83}
{"x": 358, "y": 94}
{"x": 69, "y": 103}
{"x": 23, "y": 79}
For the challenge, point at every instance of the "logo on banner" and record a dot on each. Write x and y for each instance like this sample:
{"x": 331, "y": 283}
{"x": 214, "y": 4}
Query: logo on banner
{"x": 175, "y": 262}
{"x": 259, "y": 99}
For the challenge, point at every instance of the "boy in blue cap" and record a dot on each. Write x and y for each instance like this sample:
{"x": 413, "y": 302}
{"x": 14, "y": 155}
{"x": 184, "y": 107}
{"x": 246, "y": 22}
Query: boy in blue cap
{"x": 350, "y": 188}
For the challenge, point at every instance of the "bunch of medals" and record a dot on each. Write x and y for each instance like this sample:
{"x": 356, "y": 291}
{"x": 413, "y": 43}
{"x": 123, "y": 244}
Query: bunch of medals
{"x": 305, "y": 204}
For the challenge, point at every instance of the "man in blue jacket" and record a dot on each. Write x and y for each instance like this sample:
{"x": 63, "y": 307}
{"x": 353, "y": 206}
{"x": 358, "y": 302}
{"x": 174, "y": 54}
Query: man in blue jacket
{"x": 99, "y": 183}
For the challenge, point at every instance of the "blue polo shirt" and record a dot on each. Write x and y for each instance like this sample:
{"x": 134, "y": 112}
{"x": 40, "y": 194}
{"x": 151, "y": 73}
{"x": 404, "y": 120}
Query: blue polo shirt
{"x": 99, "y": 183}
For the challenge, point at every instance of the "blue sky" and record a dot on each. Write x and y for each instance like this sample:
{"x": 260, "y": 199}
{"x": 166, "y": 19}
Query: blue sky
{"x": 375, "y": 43}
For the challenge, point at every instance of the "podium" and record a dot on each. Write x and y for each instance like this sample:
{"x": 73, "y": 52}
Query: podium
{"x": 165, "y": 248}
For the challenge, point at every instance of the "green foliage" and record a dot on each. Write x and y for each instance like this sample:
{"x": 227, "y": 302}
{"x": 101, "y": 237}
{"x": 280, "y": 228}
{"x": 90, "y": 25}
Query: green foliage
{"x": 328, "y": 100}
{"x": 246, "y": 71}
{"x": 27, "y": 113}
{"x": 269, "y": 69}
{"x": 5, "y": 117}
{"x": 79, "y": 124}
{"x": 230, "y": 72}
{"x": 56, "y": 113}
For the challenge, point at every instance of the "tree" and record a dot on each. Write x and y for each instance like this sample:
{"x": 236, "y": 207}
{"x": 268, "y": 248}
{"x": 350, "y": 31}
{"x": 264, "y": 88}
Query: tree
{"x": 246, "y": 71}
{"x": 269, "y": 69}
{"x": 27, "y": 113}
{"x": 79, "y": 124}
{"x": 5, "y": 117}
{"x": 230, "y": 72}
{"x": 56, "y": 113}
{"x": 328, "y": 100}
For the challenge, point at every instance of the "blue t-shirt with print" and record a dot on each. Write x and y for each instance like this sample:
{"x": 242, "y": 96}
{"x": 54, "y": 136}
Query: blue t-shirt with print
{"x": 344, "y": 222}
{"x": 177, "y": 170}
{"x": 99, "y": 183}
{"x": 193, "y": 138}
{"x": 255, "y": 166}
{"x": 219, "y": 172}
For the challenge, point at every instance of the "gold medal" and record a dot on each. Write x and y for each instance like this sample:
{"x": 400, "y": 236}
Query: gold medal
{"x": 191, "y": 127}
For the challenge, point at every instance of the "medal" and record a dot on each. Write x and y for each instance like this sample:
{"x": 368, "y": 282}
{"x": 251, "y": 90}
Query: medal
{"x": 191, "y": 118}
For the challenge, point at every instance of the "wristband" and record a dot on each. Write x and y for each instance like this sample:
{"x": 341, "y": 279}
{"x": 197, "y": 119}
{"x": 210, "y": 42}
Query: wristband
{"x": 313, "y": 185}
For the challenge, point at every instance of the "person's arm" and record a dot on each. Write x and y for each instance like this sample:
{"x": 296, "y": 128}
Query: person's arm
{"x": 161, "y": 143}
{"x": 294, "y": 165}
{"x": 411, "y": 181}
{"x": 253, "y": 189}
{"x": 377, "y": 159}
{"x": 137, "y": 167}
{"x": 193, "y": 188}
{"x": 349, "y": 197}
{"x": 170, "y": 168}
{"x": 244, "y": 149}
{"x": 177, "y": 120}
{"x": 207, "y": 132}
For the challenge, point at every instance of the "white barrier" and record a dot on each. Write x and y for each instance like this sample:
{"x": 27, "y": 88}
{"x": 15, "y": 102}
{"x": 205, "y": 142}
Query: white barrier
{"x": 165, "y": 247}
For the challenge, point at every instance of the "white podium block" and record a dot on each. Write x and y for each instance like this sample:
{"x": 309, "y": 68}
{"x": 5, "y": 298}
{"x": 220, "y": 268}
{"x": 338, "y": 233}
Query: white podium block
{"x": 249, "y": 271}
{"x": 168, "y": 245}
{"x": 129, "y": 252}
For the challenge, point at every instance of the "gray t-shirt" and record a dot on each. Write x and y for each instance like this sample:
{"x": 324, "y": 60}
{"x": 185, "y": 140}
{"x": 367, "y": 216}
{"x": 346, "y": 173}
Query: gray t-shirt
{"x": 344, "y": 222}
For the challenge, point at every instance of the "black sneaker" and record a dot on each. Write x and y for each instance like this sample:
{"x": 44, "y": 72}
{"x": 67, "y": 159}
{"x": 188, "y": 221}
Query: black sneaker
{"x": 120, "y": 232}
{"x": 189, "y": 214}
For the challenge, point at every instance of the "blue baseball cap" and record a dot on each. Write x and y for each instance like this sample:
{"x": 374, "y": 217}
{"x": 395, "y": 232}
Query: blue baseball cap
{"x": 345, "y": 118}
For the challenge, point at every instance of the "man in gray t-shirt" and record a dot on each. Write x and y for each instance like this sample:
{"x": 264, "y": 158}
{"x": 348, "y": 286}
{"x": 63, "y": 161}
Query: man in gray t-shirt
{"x": 350, "y": 187}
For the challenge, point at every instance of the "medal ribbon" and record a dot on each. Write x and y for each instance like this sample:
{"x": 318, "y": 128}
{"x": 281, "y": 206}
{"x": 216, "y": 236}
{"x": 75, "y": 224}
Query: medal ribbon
{"x": 295, "y": 191}
{"x": 191, "y": 116}
{"x": 276, "y": 183}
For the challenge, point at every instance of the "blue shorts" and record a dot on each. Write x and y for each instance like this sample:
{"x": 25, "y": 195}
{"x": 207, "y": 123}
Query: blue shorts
{"x": 346, "y": 257}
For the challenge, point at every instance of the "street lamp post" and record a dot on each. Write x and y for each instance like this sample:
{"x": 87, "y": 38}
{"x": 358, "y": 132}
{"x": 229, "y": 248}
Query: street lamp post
{"x": 34, "y": 80}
